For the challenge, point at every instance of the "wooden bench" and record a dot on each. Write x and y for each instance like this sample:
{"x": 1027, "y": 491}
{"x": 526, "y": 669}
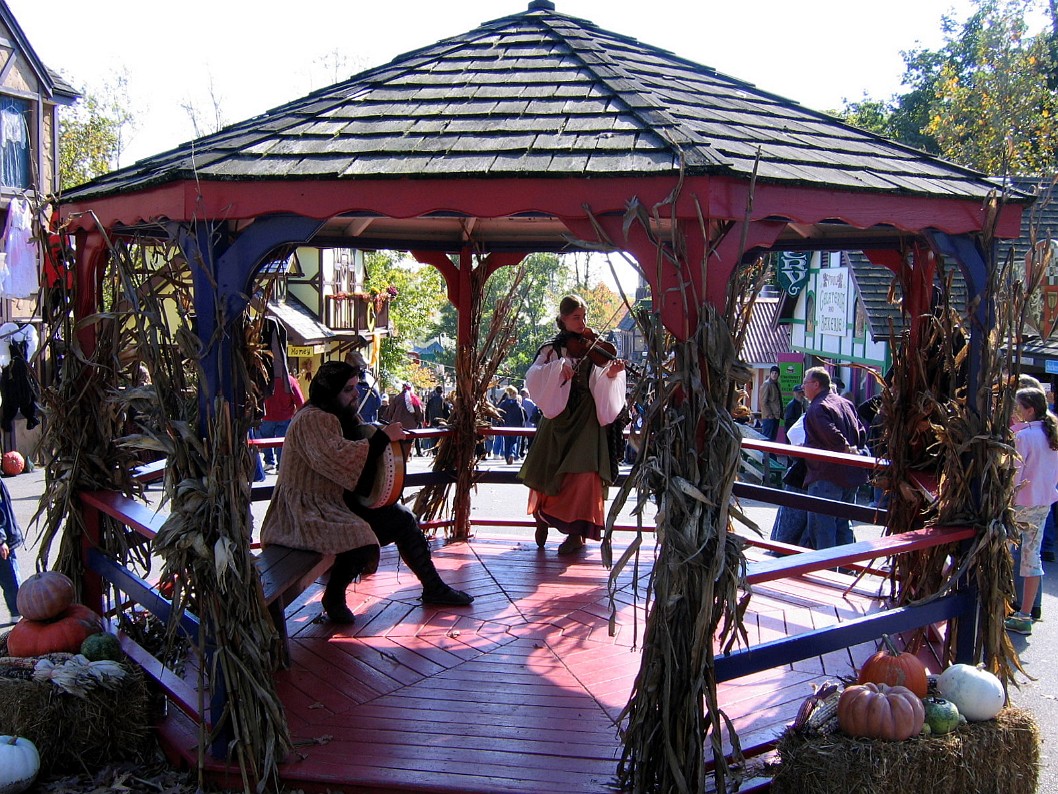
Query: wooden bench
{"x": 285, "y": 573}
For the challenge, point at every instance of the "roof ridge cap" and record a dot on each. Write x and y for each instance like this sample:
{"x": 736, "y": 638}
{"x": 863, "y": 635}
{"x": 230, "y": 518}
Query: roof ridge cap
{"x": 593, "y": 55}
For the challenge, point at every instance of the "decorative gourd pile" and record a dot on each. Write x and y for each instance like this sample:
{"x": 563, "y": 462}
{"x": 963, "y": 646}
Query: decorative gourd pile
{"x": 891, "y": 700}
{"x": 51, "y": 621}
{"x": 65, "y": 685}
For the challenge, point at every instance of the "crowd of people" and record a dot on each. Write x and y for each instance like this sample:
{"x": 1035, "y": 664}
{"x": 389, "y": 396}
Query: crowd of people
{"x": 577, "y": 402}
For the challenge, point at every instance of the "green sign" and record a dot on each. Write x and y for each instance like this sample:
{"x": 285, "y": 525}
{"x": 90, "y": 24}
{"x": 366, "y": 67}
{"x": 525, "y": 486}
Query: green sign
{"x": 792, "y": 271}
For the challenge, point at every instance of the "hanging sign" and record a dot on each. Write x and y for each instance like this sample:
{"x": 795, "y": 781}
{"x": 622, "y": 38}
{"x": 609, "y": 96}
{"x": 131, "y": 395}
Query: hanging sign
{"x": 304, "y": 352}
{"x": 792, "y": 271}
{"x": 832, "y": 301}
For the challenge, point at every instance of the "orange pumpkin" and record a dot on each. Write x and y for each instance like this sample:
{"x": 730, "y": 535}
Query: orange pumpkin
{"x": 65, "y": 633}
{"x": 877, "y": 711}
{"x": 890, "y": 666}
{"x": 44, "y": 595}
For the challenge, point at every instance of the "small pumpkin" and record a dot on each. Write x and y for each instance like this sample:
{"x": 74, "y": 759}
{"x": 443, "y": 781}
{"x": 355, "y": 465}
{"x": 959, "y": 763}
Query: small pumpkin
{"x": 44, "y": 595}
{"x": 942, "y": 716}
{"x": 975, "y": 692}
{"x": 890, "y": 666}
{"x": 19, "y": 764}
{"x": 63, "y": 634}
{"x": 879, "y": 711}
{"x": 100, "y": 646}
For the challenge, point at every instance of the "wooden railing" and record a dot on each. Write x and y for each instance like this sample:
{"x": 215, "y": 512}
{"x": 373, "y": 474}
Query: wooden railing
{"x": 962, "y": 601}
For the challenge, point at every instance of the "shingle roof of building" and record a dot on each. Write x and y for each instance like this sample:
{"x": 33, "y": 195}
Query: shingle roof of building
{"x": 544, "y": 94}
{"x": 765, "y": 338}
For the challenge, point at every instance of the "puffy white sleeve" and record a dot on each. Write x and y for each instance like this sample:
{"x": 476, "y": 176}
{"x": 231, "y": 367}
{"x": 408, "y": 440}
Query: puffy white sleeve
{"x": 545, "y": 383}
{"x": 609, "y": 393}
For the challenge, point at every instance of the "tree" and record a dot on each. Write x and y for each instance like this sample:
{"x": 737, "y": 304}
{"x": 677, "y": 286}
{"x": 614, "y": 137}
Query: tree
{"x": 985, "y": 99}
{"x": 203, "y": 122}
{"x": 993, "y": 109}
{"x": 546, "y": 280}
{"x": 419, "y": 296}
{"x": 92, "y": 132}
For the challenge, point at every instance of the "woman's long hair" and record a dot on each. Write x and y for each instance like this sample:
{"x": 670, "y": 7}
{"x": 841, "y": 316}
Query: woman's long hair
{"x": 1037, "y": 401}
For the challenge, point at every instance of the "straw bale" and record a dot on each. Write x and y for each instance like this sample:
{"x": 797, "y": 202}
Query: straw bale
{"x": 1000, "y": 756}
{"x": 72, "y": 733}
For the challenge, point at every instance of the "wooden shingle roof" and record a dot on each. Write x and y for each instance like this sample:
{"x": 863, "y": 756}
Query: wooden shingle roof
{"x": 543, "y": 94}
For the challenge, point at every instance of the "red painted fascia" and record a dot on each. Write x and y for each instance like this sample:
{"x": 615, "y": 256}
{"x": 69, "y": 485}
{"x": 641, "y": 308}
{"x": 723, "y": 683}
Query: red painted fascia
{"x": 713, "y": 197}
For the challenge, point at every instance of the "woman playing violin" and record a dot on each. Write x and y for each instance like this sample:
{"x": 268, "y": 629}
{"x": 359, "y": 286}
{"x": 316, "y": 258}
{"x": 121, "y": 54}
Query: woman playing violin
{"x": 579, "y": 387}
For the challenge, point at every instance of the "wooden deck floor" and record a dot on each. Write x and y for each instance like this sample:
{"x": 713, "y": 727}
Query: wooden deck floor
{"x": 518, "y": 692}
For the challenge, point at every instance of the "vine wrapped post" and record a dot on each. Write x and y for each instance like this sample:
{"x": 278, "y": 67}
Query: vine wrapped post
{"x": 689, "y": 467}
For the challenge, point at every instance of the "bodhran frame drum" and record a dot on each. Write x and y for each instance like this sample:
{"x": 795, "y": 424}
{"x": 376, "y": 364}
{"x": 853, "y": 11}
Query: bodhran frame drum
{"x": 388, "y": 484}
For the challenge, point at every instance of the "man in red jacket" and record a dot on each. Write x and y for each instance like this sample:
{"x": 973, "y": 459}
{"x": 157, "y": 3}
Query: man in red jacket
{"x": 280, "y": 407}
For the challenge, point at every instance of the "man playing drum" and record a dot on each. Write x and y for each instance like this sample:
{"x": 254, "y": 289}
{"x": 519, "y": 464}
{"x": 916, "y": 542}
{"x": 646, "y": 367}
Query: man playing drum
{"x": 315, "y": 504}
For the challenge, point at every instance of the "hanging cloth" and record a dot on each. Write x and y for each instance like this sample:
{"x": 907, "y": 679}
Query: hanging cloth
{"x": 17, "y": 388}
{"x": 21, "y": 279}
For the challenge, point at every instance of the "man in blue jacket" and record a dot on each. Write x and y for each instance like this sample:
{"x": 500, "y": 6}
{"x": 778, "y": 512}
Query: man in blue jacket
{"x": 831, "y": 424}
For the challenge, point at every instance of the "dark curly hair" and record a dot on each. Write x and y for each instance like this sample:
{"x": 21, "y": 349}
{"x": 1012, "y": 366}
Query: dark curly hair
{"x": 328, "y": 383}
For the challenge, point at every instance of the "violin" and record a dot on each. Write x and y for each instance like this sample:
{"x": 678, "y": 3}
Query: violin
{"x": 590, "y": 345}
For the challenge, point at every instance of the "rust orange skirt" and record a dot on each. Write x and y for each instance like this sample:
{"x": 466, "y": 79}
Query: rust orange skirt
{"x": 575, "y": 510}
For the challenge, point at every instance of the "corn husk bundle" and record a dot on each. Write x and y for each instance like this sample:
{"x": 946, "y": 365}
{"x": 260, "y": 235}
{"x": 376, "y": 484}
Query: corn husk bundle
{"x": 85, "y": 417}
{"x": 696, "y": 592}
{"x": 477, "y": 362}
{"x": 205, "y": 543}
{"x": 965, "y": 438}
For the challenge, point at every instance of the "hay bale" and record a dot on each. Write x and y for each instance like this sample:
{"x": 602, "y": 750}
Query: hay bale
{"x": 73, "y": 733}
{"x": 1000, "y": 756}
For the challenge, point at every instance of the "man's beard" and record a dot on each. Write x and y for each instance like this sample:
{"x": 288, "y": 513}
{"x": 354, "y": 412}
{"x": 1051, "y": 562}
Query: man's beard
{"x": 350, "y": 419}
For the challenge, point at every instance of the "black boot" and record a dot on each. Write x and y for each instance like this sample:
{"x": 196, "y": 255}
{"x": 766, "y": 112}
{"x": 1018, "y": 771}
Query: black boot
{"x": 347, "y": 566}
{"x": 415, "y": 551}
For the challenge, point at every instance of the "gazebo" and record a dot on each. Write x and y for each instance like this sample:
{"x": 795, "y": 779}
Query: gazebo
{"x": 538, "y": 132}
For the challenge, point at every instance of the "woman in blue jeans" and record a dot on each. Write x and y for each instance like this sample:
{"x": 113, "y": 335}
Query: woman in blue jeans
{"x": 10, "y": 540}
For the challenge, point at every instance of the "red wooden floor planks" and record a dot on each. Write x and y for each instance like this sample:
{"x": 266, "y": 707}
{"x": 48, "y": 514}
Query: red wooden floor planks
{"x": 517, "y": 692}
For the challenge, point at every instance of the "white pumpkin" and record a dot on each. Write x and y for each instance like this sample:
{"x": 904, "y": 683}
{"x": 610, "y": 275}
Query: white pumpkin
{"x": 975, "y": 692}
{"x": 19, "y": 764}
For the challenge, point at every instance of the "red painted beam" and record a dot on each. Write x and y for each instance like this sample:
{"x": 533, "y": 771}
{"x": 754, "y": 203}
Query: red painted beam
{"x": 716, "y": 197}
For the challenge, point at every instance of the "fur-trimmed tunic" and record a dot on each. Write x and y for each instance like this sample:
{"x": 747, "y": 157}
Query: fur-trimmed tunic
{"x": 318, "y": 465}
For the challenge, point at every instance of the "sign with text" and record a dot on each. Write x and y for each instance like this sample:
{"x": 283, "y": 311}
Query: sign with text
{"x": 792, "y": 271}
{"x": 832, "y": 301}
{"x": 298, "y": 351}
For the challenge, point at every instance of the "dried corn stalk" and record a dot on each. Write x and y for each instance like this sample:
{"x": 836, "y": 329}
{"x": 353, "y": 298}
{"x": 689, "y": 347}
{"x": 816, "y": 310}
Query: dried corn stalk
{"x": 696, "y": 593}
{"x": 934, "y": 424}
{"x": 205, "y": 542}
{"x": 477, "y": 362}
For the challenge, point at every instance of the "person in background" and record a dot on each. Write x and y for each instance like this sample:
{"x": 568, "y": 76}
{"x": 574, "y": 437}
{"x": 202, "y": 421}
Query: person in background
{"x": 1037, "y": 489}
{"x": 578, "y": 444}
{"x": 512, "y": 414}
{"x": 10, "y": 540}
{"x": 771, "y": 408}
{"x": 794, "y": 409}
{"x": 791, "y": 523}
{"x": 437, "y": 412}
{"x": 406, "y": 408}
{"x": 279, "y": 408}
{"x": 831, "y": 424}
{"x": 532, "y": 418}
{"x": 313, "y": 506}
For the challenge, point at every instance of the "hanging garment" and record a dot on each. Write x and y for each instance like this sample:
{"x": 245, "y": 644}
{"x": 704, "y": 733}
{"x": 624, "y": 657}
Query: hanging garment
{"x": 17, "y": 389}
{"x": 21, "y": 279}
